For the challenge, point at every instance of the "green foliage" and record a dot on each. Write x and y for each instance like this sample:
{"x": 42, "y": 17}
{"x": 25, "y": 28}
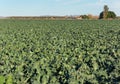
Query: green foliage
{"x": 85, "y": 16}
{"x": 101, "y": 15}
{"x": 59, "y": 51}
{"x": 9, "y": 79}
{"x": 2, "y": 79}
{"x": 110, "y": 14}
{"x": 107, "y": 14}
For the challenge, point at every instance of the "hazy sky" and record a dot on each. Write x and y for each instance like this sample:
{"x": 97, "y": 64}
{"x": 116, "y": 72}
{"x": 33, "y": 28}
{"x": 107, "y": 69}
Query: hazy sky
{"x": 56, "y": 7}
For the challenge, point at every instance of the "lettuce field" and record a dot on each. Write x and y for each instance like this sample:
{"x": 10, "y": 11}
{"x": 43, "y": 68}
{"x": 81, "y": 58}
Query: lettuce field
{"x": 59, "y": 51}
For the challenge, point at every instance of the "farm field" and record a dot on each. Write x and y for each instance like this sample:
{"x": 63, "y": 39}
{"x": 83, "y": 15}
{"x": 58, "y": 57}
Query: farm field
{"x": 59, "y": 51}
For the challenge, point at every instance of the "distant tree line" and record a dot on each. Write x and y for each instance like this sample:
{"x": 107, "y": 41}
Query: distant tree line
{"x": 105, "y": 14}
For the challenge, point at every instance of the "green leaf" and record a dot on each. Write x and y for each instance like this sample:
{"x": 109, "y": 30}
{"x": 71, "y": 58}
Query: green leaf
{"x": 9, "y": 79}
{"x": 2, "y": 79}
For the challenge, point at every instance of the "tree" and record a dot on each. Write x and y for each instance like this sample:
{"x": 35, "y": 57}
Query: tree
{"x": 106, "y": 13}
{"x": 84, "y": 17}
{"x": 111, "y": 14}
